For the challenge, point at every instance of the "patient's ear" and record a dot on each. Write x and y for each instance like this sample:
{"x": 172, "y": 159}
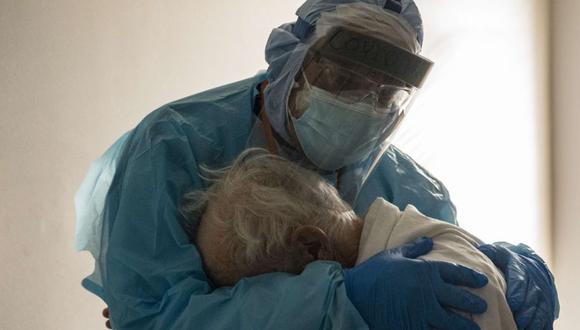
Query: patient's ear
{"x": 312, "y": 242}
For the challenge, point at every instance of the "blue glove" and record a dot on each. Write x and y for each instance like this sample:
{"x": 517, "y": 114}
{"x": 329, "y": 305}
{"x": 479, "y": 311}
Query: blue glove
{"x": 531, "y": 292}
{"x": 392, "y": 290}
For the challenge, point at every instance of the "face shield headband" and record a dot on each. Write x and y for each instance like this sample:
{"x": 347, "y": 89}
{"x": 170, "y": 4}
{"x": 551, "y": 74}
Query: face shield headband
{"x": 343, "y": 45}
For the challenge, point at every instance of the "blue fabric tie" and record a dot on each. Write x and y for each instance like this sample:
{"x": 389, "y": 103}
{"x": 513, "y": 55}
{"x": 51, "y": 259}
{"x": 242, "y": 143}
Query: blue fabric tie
{"x": 302, "y": 29}
{"x": 394, "y": 5}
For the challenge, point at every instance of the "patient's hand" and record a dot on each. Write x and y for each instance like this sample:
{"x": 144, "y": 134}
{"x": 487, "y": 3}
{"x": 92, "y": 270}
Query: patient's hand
{"x": 106, "y": 315}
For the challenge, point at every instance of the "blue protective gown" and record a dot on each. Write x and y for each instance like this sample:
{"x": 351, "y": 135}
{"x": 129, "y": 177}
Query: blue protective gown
{"x": 147, "y": 271}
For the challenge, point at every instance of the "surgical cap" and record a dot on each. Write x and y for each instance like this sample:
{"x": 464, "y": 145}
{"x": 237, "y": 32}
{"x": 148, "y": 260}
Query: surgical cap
{"x": 286, "y": 49}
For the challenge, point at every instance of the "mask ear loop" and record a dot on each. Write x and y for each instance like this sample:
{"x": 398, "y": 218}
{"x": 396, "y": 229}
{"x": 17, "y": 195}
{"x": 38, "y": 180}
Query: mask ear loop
{"x": 306, "y": 82}
{"x": 305, "y": 86}
{"x": 290, "y": 131}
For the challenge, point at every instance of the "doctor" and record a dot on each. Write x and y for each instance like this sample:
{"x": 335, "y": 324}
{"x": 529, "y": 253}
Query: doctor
{"x": 339, "y": 82}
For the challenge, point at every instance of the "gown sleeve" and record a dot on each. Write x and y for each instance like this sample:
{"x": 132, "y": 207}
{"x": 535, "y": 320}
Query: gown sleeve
{"x": 400, "y": 180}
{"x": 152, "y": 277}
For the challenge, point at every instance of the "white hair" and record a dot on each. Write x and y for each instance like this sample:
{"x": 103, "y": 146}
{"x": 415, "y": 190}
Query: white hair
{"x": 253, "y": 207}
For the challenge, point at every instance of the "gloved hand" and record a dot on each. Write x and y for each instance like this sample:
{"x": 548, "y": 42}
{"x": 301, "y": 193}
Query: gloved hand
{"x": 392, "y": 290}
{"x": 531, "y": 292}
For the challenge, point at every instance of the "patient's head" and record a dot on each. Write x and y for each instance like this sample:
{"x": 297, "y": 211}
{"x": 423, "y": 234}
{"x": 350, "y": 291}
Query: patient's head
{"x": 264, "y": 214}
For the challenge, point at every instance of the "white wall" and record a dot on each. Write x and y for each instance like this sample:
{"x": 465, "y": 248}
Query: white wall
{"x": 566, "y": 153}
{"x": 479, "y": 123}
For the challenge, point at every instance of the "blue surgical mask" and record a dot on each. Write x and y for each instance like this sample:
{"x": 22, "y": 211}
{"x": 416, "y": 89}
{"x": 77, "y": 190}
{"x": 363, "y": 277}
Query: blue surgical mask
{"x": 334, "y": 133}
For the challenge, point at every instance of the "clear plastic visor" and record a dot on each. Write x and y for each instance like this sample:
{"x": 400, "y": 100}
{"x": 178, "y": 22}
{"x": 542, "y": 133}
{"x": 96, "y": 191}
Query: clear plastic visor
{"x": 352, "y": 85}
{"x": 346, "y": 104}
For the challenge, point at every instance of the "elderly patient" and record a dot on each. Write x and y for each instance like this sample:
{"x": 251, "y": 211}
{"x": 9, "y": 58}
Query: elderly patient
{"x": 264, "y": 214}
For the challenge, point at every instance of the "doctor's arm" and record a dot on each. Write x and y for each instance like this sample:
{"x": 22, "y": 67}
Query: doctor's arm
{"x": 531, "y": 290}
{"x": 316, "y": 299}
{"x": 390, "y": 290}
{"x": 153, "y": 277}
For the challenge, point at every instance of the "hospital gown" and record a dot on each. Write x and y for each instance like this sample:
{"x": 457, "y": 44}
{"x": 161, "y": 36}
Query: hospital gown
{"x": 385, "y": 227}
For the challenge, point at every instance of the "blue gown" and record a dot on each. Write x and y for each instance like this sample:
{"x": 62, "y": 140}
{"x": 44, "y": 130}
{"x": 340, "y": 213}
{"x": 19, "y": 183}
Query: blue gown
{"x": 147, "y": 271}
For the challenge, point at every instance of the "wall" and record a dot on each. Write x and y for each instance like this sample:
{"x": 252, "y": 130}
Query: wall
{"x": 74, "y": 75}
{"x": 566, "y": 156}
{"x": 479, "y": 123}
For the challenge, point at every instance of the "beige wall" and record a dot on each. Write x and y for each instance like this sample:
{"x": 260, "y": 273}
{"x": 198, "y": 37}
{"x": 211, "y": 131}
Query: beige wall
{"x": 74, "y": 75}
{"x": 566, "y": 156}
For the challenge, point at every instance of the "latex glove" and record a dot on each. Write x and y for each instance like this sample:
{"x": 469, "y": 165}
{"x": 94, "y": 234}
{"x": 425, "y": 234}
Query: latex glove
{"x": 392, "y": 290}
{"x": 531, "y": 291}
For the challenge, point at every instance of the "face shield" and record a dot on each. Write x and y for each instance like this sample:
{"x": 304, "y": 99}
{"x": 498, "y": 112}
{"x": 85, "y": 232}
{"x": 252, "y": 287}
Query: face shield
{"x": 352, "y": 91}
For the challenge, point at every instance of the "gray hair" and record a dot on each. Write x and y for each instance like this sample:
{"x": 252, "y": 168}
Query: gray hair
{"x": 254, "y": 206}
